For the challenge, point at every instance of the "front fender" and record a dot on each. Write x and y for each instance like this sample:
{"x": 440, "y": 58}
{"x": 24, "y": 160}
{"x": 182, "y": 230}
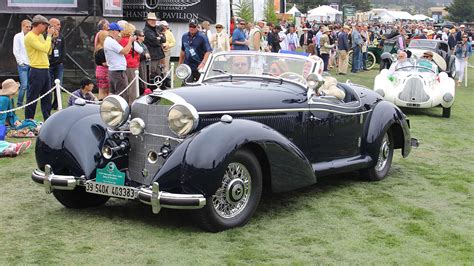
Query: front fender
{"x": 71, "y": 139}
{"x": 208, "y": 152}
{"x": 386, "y": 116}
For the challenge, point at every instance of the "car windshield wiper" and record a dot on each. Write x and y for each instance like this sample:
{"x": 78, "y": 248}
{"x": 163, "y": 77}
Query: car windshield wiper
{"x": 273, "y": 75}
{"x": 222, "y": 72}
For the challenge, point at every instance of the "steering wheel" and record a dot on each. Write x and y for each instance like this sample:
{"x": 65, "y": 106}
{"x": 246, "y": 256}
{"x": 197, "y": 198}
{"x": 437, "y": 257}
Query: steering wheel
{"x": 293, "y": 76}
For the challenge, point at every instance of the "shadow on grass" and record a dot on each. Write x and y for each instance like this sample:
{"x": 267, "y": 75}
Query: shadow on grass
{"x": 282, "y": 202}
{"x": 429, "y": 112}
{"x": 136, "y": 213}
{"x": 170, "y": 219}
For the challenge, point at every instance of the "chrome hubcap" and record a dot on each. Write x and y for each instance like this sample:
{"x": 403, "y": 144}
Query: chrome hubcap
{"x": 383, "y": 154}
{"x": 232, "y": 197}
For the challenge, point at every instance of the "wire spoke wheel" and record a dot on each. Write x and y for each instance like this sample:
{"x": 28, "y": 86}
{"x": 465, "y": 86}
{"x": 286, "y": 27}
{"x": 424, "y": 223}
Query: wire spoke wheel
{"x": 383, "y": 154}
{"x": 237, "y": 195}
{"x": 232, "y": 197}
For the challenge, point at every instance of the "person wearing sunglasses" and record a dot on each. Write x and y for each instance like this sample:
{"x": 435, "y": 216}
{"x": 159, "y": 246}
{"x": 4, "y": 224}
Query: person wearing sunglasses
{"x": 240, "y": 64}
{"x": 195, "y": 50}
{"x": 220, "y": 39}
{"x": 239, "y": 42}
{"x": 462, "y": 52}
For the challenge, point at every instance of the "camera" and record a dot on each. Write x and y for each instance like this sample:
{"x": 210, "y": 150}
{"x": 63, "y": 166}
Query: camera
{"x": 459, "y": 42}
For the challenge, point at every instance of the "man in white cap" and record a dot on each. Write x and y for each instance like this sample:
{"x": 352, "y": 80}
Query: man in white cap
{"x": 168, "y": 45}
{"x": 460, "y": 33}
{"x": 154, "y": 39}
{"x": 306, "y": 39}
{"x": 255, "y": 36}
{"x": 37, "y": 48}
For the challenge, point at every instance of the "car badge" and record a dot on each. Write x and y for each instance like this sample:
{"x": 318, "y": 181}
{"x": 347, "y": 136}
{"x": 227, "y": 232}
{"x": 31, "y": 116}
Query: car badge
{"x": 144, "y": 172}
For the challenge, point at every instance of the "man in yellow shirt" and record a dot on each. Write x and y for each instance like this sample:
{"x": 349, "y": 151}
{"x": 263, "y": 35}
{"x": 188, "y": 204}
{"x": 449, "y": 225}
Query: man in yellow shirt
{"x": 38, "y": 49}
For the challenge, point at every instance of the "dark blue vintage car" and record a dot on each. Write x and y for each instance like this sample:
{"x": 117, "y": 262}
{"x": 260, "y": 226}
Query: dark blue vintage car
{"x": 253, "y": 121}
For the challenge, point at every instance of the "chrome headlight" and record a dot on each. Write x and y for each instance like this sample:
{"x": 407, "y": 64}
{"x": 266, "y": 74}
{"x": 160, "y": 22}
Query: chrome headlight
{"x": 114, "y": 111}
{"x": 182, "y": 119}
{"x": 137, "y": 126}
{"x": 183, "y": 71}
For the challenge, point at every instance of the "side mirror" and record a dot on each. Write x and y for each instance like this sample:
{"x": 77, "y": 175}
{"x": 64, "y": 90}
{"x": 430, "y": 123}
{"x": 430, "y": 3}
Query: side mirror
{"x": 315, "y": 81}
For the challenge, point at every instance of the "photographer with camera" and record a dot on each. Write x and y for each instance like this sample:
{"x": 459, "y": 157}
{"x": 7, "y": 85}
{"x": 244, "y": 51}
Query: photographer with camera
{"x": 37, "y": 48}
{"x": 462, "y": 52}
{"x": 154, "y": 39}
{"x": 144, "y": 59}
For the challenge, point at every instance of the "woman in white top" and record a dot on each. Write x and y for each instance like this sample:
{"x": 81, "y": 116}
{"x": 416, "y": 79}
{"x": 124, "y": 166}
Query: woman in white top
{"x": 220, "y": 40}
{"x": 206, "y": 29}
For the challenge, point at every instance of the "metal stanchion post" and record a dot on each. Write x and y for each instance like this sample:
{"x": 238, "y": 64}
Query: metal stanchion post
{"x": 172, "y": 75}
{"x": 465, "y": 75}
{"x": 137, "y": 84}
{"x": 58, "y": 94}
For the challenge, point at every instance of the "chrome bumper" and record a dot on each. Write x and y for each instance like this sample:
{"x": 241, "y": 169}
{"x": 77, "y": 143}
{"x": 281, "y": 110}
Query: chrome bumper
{"x": 148, "y": 195}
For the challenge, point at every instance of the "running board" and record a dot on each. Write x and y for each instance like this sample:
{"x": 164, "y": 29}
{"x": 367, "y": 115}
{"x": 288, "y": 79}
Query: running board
{"x": 342, "y": 165}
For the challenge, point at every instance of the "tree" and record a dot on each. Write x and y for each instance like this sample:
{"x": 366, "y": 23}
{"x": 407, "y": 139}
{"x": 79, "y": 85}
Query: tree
{"x": 270, "y": 15}
{"x": 461, "y": 10}
{"x": 245, "y": 9}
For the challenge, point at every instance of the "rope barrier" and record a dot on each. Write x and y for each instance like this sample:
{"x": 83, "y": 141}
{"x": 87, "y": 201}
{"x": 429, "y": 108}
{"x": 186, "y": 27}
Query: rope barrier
{"x": 28, "y": 104}
{"x": 61, "y": 88}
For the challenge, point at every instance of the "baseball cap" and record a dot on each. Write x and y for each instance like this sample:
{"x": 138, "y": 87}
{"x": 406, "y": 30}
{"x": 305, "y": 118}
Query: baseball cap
{"x": 193, "y": 22}
{"x": 39, "y": 19}
{"x": 115, "y": 26}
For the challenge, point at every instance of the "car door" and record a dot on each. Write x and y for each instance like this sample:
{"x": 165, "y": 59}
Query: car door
{"x": 334, "y": 129}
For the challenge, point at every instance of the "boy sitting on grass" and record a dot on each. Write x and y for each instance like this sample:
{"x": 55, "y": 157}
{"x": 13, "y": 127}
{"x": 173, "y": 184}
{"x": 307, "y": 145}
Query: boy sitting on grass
{"x": 85, "y": 92}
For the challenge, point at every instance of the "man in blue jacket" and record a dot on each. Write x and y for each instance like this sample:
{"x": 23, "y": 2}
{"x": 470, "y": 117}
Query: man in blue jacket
{"x": 342, "y": 50}
{"x": 356, "y": 48}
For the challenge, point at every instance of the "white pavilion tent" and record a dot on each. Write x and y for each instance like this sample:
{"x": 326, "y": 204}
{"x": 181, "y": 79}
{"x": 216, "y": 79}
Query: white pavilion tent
{"x": 323, "y": 13}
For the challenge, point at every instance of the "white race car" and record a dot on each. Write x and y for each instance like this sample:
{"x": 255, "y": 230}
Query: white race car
{"x": 416, "y": 83}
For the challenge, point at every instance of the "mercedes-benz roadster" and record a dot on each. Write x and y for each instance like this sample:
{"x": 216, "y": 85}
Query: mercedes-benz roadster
{"x": 253, "y": 122}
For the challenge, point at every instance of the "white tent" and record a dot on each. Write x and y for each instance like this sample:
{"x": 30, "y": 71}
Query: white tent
{"x": 421, "y": 17}
{"x": 390, "y": 15}
{"x": 324, "y": 12}
{"x": 293, "y": 10}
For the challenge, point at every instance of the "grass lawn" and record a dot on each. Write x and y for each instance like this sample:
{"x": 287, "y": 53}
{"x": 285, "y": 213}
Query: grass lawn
{"x": 423, "y": 213}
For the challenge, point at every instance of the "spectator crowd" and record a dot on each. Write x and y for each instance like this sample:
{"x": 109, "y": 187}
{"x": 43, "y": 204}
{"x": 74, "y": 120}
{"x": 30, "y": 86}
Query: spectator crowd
{"x": 120, "y": 49}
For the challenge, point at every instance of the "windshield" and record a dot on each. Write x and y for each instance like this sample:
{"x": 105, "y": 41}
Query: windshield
{"x": 422, "y": 43}
{"x": 292, "y": 67}
{"x": 420, "y": 65}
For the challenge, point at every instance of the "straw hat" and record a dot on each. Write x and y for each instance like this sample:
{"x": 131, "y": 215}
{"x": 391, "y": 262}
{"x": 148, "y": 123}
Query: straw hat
{"x": 151, "y": 16}
{"x": 325, "y": 29}
{"x": 9, "y": 87}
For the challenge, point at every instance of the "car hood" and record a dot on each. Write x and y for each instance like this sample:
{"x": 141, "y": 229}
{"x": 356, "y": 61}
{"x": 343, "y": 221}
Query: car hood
{"x": 242, "y": 95}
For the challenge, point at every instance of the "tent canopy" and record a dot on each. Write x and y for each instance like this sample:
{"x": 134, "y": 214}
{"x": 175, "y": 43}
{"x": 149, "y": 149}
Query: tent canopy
{"x": 421, "y": 17}
{"x": 391, "y": 15}
{"x": 293, "y": 10}
{"x": 325, "y": 13}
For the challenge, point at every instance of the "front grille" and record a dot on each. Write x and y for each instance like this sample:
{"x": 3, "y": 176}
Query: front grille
{"x": 155, "y": 118}
{"x": 414, "y": 91}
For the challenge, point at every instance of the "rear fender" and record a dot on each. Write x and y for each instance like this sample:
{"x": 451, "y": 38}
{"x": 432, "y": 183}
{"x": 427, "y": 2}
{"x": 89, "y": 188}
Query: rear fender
{"x": 209, "y": 150}
{"x": 386, "y": 116}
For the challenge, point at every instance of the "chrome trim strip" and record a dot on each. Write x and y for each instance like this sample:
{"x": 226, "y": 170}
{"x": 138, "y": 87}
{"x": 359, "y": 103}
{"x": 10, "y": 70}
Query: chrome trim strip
{"x": 145, "y": 133}
{"x": 170, "y": 96}
{"x": 280, "y": 111}
{"x": 163, "y": 136}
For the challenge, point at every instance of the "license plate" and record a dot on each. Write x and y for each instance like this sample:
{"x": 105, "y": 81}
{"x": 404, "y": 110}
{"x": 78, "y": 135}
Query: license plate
{"x": 413, "y": 104}
{"x": 111, "y": 190}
